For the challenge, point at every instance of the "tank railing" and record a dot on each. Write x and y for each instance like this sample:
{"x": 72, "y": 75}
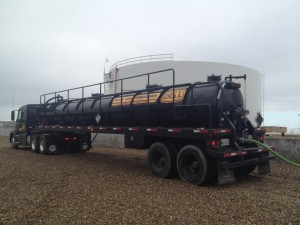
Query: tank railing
{"x": 148, "y": 82}
{"x": 143, "y": 59}
{"x": 56, "y": 94}
{"x": 103, "y": 83}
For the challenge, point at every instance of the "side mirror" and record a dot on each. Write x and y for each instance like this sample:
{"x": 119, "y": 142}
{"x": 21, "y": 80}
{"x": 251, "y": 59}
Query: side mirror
{"x": 12, "y": 116}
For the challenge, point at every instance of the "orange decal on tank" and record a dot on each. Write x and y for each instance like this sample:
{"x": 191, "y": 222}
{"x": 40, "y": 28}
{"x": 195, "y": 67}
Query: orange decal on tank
{"x": 126, "y": 100}
{"x": 143, "y": 98}
{"x": 176, "y": 96}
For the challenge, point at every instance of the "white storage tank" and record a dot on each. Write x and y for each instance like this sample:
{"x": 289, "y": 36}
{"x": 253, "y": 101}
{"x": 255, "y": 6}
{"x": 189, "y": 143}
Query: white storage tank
{"x": 185, "y": 72}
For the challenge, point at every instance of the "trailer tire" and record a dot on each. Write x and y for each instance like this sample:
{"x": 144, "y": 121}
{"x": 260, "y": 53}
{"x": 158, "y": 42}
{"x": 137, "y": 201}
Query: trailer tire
{"x": 193, "y": 165}
{"x": 34, "y": 144}
{"x": 162, "y": 159}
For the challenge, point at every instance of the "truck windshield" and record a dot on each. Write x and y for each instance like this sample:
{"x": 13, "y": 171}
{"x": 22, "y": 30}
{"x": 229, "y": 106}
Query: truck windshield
{"x": 20, "y": 117}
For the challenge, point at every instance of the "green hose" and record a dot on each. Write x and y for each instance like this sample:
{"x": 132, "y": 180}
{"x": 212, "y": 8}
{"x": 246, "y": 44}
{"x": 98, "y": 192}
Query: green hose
{"x": 274, "y": 153}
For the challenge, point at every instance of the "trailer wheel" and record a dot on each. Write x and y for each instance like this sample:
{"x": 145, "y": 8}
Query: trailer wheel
{"x": 34, "y": 144}
{"x": 13, "y": 143}
{"x": 162, "y": 159}
{"x": 192, "y": 165}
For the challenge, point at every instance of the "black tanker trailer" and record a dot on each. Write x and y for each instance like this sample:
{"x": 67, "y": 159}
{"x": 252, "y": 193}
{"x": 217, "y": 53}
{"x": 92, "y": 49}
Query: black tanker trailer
{"x": 194, "y": 130}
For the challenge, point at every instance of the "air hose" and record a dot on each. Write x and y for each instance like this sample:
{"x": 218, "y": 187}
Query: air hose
{"x": 274, "y": 153}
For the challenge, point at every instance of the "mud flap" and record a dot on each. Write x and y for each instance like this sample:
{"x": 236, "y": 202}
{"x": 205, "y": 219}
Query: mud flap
{"x": 264, "y": 167}
{"x": 226, "y": 176}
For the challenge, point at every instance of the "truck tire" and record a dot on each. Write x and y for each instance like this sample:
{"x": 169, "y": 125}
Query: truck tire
{"x": 85, "y": 143}
{"x": 48, "y": 144}
{"x": 43, "y": 144}
{"x": 162, "y": 159}
{"x": 13, "y": 143}
{"x": 34, "y": 144}
{"x": 193, "y": 165}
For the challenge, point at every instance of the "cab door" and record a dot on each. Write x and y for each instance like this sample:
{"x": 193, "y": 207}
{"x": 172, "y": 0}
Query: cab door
{"x": 20, "y": 130}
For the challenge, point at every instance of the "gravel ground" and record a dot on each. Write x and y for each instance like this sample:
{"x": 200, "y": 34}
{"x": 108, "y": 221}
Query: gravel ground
{"x": 113, "y": 186}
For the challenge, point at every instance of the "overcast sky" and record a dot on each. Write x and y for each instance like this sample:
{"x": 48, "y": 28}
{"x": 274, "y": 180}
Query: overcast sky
{"x": 49, "y": 45}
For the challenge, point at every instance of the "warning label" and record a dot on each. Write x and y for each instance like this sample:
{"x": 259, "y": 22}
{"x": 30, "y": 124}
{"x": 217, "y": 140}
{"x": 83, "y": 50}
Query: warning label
{"x": 173, "y": 96}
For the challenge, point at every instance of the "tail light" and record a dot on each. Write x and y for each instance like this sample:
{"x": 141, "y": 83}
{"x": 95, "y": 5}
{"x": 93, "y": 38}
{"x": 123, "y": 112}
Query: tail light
{"x": 219, "y": 143}
{"x": 215, "y": 143}
{"x": 261, "y": 139}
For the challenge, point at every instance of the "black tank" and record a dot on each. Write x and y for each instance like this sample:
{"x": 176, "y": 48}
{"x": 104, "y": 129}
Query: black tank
{"x": 199, "y": 105}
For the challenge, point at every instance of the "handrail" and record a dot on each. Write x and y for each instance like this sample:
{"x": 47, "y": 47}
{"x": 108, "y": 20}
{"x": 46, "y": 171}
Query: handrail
{"x": 143, "y": 59}
{"x": 56, "y": 94}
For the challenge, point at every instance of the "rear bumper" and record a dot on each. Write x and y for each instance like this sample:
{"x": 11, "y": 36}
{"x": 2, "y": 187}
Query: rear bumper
{"x": 234, "y": 156}
{"x": 225, "y": 164}
{"x": 226, "y": 169}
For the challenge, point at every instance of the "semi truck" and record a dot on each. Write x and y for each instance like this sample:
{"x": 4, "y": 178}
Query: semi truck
{"x": 198, "y": 131}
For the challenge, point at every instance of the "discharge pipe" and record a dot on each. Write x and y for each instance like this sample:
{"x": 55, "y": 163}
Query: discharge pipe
{"x": 274, "y": 153}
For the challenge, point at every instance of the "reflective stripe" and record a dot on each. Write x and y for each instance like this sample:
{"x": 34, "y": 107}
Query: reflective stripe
{"x": 174, "y": 130}
{"x": 222, "y": 131}
{"x": 239, "y": 153}
{"x": 201, "y": 131}
{"x": 152, "y": 129}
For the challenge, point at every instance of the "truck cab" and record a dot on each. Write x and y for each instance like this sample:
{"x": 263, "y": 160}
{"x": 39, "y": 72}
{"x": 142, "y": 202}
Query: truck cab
{"x": 26, "y": 120}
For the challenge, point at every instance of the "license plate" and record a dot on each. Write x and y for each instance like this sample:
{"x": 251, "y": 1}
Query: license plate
{"x": 224, "y": 142}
